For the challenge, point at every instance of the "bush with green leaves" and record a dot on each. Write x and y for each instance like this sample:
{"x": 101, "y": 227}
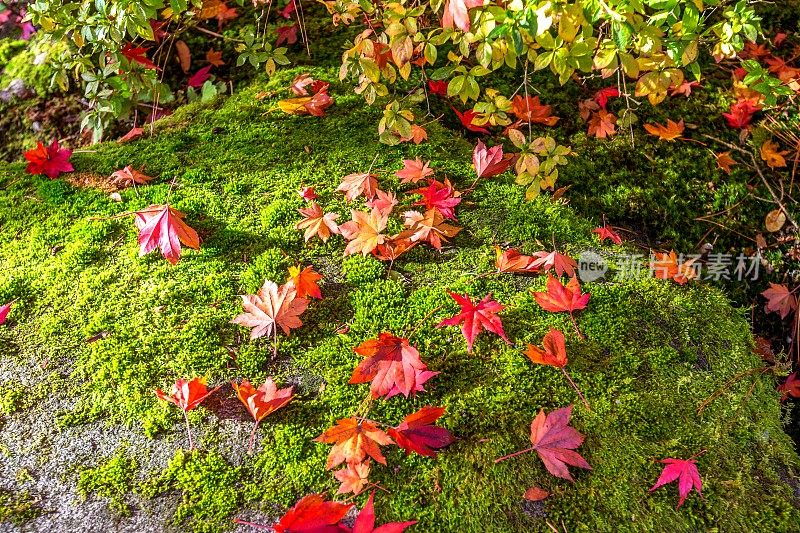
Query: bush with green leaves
{"x": 396, "y": 47}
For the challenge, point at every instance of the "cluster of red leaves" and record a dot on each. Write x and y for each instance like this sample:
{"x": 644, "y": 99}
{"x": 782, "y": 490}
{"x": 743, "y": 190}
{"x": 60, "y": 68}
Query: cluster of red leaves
{"x": 313, "y": 514}
{"x": 365, "y": 231}
{"x": 49, "y": 160}
{"x": 392, "y": 366}
{"x": 307, "y": 103}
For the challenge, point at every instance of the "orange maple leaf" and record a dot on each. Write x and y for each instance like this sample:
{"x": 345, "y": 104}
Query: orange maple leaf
{"x": 215, "y": 58}
{"x": 305, "y": 281}
{"x": 725, "y": 161}
{"x": 353, "y": 441}
{"x": 512, "y": 261}
{"x": 602, "y": 124}
{"x": 364, "y": 231}
{"x": 354, "y": 185}
{"x": 128, "y": 176}
{"x": 666, "y": 132}
{"x": 771, "y": 154}
{"x": 353, "y": 478}
{"x": 273, "y": 306}
{"x": 554, "y": 352}
{"x": 317, "y": 223}
{"x": 530, "y": 109}
{"x": 665, "y": 266}
{"x": 429, "y": 227}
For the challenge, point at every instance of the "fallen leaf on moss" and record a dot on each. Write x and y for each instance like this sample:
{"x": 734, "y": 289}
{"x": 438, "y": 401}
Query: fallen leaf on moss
{"x": 475, "y": 317}
{"x": 683, "y": 471}
{"x": 666, "y": 132}
{"x": 271, "y": 308}
{"x": 305, "y": 281}
{"x": 418, "y": 432}
{"x": 353, "y": 440}
{"x": 128, "y": 176}
{"x": 725, "y": 161}
{"x": 353, "y": 478}
{"x": 772, "y": 155}
{"x": 775, "y": 220}
{"x": 779, "y": 300}
{"x": 316, "y": 223}
{"x": 161, "y": 226}
{"x": 535, "y": 494}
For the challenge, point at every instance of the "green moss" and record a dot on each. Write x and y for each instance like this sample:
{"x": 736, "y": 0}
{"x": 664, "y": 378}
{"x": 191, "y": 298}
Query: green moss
{"x": 18, "y": 507}
{"x": 208, "y": 487}
{"x": 654, "y": 352}
{"x": 111, "y": 480}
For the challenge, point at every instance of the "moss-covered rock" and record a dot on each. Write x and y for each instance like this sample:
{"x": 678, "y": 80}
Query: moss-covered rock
{"x": 122, "y": 325}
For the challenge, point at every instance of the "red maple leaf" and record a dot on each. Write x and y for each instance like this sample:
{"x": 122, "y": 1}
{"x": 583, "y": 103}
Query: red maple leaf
{"x": 602, "y": 96}
{"x": 391, "y": 362}
{"x": 132, "y": 135}
{"x": 560, "y": 263}
{"x": 439, "y": 88}
{"x": 312, "y": 514}
{"x": 137, "y": 55}
{"x": 489, "y": 162}
{"x": 365, "y": 521}
{"x": 161, "y": 226}
{"x": 607, "y": 232}
{"x": 287, "y": 34}
{"x": 559, "y": 298}
{"x": 4, "y": 310}
{"x": 50, "y": 161}
{"x": 476, "y": 317}
{"x": 383, "y": 202}
{"x": 187, "y": 395}
{"x": 466, "y": 119}
{"x": 790, "y": 387}
{"x": 779, "y": 300}
{"x": 417, "y": 432}
{"x": 741, "y": 113}
{"x": 308, "y": 193}
{"x": 683, "y": 470}
{"x": 419, "y": 380}
{"x": 512, "y": 261}
{"x": 262, "y": 401}
{"x": 200, "y": 77}
{"x": 555, "y": 442}
{"x": 440, "y": 196}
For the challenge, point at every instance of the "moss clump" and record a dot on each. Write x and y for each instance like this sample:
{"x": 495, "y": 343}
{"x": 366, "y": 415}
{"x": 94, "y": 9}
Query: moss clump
{"x": 208, "y": 487}
{"x": 654, "y": 352}
{"x": 18, "y": 507}
{"x": 111, "y": 480}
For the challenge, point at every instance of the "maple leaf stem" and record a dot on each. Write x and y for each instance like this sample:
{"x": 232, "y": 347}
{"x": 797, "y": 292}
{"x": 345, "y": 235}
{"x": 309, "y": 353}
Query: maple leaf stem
{"x": 188, "y": 430}
{"x": 581, "y": 336}
{"x": 252, "y": 438}
{"x": 424, "y": 319}
{"x": 526, "y": 450}
{"x": 588, "y": 407}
